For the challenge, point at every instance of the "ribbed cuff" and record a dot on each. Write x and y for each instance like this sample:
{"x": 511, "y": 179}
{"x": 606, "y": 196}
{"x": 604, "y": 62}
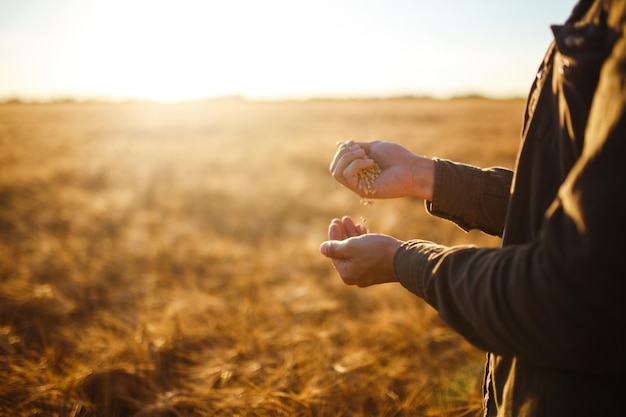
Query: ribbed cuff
{"x": 412, "y": 266}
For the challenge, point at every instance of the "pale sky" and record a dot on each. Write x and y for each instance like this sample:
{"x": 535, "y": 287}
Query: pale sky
{"x": 272, "y": 49}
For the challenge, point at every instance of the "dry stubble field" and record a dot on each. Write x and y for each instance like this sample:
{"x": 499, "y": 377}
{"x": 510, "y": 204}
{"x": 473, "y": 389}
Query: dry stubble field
{"x": 162, "y": 260}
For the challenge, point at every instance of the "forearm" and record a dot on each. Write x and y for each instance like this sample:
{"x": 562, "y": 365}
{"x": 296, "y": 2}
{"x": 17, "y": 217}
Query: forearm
{"x": 471, "y": 197}
{"x": 556, "y": 300}
{"x": 517, "y": 301}
{"x": 422, "y": 177}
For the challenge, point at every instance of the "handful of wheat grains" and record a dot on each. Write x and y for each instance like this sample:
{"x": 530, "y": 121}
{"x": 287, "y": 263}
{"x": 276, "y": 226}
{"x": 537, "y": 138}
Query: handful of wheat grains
{"x": 368, "y": 175}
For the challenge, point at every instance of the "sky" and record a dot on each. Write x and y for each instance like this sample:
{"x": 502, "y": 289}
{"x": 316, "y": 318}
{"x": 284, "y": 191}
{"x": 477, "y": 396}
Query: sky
{"x": 274, "y": 49}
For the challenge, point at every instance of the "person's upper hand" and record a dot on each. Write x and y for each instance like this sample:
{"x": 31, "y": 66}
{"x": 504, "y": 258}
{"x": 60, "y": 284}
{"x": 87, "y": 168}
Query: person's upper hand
{"x": 360, "y": 258}
{"x": 404, "y": 173}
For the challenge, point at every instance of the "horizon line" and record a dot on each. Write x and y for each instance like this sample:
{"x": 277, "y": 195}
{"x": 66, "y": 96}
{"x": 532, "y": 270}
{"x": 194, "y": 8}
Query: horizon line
{"x": 241, "y": 97}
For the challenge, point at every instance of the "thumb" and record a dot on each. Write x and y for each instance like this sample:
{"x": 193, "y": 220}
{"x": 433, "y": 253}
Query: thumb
{"x": 331, "y": 248}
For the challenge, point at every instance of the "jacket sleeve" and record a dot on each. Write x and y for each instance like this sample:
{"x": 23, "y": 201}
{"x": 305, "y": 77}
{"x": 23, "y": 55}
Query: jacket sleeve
{"x": 558, "y": 301}
{"x": 472, "y": 198}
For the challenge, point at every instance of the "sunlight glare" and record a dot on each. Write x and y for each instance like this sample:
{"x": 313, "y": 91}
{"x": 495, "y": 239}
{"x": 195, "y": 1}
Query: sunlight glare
{"x": 193, "y": 49}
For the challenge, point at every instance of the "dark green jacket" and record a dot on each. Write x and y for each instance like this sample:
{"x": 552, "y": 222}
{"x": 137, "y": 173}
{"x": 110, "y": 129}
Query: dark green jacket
{"x": 550, "y": 303}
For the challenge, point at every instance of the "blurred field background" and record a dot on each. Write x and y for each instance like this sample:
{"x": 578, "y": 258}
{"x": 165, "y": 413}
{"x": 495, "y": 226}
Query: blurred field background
{"x": 162, "y": 260}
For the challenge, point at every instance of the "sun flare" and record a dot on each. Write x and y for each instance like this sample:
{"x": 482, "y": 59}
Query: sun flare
{"x": 172, "y": 52}
{"x": 188, "y": 49}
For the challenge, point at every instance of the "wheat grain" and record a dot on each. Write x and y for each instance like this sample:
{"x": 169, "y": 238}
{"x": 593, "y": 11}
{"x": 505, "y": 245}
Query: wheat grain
{"x": 368, "y": 176}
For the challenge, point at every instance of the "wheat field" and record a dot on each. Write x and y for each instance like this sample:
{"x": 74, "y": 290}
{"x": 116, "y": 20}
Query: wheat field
{"x": 162, "y": 260}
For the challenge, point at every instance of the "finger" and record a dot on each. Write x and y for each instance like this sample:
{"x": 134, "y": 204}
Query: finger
{"x": 366, "y": 146}
{"x": 342, "y": 148}
{"x": 350, "y": 227}
{"x": 345, "y": 142}
{"x": 336, "y": 231}
{"x": 354, "y": 166}
{"x": 343, "y": 157}
{"x": 325, "y": 249}
{"x": 331, "y": 249}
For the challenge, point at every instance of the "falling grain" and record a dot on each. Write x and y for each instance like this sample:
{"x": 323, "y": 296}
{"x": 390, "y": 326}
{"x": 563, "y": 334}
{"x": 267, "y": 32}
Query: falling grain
{"x": 367, "y": 177}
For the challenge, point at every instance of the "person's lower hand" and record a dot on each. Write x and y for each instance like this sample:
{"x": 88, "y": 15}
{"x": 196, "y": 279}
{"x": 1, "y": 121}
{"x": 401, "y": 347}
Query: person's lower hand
{"x": 404, "y": 173}
{"x": 360, "y": 258}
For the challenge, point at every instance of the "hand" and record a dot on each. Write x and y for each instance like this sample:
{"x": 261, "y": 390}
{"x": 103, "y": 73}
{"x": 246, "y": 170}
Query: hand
{"x": 360, "y": 258}
{"x": 404, "y": 173}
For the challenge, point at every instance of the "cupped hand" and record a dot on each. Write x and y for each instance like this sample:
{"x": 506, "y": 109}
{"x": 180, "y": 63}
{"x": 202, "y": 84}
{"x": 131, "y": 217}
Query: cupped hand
{"x": 360, "y": 258}
{"x": 404, "y": 173}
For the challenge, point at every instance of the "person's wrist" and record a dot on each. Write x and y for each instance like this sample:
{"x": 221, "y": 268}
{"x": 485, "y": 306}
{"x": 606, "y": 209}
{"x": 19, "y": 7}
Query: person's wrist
{"x": 392, "y": 247}
{"x": 423, "y": 178}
